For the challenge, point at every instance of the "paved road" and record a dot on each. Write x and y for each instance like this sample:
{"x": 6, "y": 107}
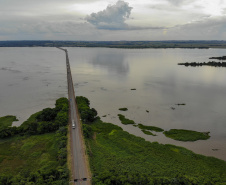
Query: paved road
{"x": 80, "y": 172}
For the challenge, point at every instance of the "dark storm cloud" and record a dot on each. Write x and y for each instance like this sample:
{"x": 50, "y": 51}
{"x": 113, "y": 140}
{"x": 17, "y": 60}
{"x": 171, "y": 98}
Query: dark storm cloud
{"x": 112, "y": 18}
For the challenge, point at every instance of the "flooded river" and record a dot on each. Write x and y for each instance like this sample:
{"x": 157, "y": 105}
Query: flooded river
{"x": 33, "y": 78}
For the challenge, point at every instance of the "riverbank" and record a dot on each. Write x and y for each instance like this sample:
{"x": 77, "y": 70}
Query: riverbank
{"x": 117, "y": 157}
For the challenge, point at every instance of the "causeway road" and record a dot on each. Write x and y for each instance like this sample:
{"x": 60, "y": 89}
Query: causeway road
{"x": 79, "y": 168}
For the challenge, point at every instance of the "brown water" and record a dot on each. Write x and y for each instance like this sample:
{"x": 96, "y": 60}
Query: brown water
{"x": 32, "y": 78}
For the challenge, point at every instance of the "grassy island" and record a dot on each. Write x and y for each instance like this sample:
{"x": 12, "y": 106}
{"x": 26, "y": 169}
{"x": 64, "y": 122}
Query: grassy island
{"x": 35, "y": 153}
{"x": 186, "y": 135}
{"x": 117, "y": 157}
{"x": 147, "y": 132}
{"x": 123, "y": 109}
{"x": 125, "y": 120}
{"x": 152, "y": 128}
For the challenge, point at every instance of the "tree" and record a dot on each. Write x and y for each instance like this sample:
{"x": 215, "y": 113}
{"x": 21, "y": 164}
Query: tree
{"x": 47, "y": 114}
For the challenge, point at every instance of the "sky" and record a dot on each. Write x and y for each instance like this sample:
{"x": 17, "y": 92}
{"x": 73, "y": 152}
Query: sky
{"x": 112, "y": 20}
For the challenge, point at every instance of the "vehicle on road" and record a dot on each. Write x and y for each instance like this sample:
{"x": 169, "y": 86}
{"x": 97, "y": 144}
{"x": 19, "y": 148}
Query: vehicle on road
{"x": 73, "y": 124}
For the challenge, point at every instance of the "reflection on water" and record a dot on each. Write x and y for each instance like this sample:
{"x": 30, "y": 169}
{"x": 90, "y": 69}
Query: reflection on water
{"x": 113, "y": 62}
{"x": 160, "y": 84}
{"x": 106, "y": 77}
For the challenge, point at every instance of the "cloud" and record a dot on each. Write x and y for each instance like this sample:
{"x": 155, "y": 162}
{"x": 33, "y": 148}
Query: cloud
{"x": 112, "y": 18}
{"x": 180, "y": 2}
{"x": 210, "y": 28}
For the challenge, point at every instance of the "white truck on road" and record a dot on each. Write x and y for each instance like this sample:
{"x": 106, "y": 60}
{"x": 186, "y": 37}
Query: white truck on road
{"x": 73, "y": 124}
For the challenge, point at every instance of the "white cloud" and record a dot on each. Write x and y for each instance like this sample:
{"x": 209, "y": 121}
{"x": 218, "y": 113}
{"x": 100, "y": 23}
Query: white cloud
{"x": 112, "y": 18}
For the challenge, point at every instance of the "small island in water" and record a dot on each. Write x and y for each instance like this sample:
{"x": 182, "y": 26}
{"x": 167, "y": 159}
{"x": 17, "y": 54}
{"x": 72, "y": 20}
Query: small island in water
{"x": 210, "y": 63}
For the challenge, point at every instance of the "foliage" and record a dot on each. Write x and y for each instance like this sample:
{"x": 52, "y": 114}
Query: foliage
{"x": 47, "y": 114}
{"x": 186, "y": 135}
{"x": 62, "y": 104}
{"x": 34, "y": 159}
{"x": 87, "y": 115}
{"x": 124, "y": 120}
{"x": 7, "y": 121}
{"x": 153, "y": 128}
{"x": 123, "y": 109}
{"x": 34, "y": 156}
{"x": 117, "y": 157}
{"x": 87, "y": 130}
{"x": 45, "y": 121}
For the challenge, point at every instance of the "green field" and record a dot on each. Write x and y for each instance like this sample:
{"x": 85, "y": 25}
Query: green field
{"x": 186, "y": 135}
{"x": 24, "y": 154}
{"x": 117, "y": 157}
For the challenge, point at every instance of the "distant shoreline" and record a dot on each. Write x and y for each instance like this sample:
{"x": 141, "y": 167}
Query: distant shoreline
{"x": 191, "y": 44}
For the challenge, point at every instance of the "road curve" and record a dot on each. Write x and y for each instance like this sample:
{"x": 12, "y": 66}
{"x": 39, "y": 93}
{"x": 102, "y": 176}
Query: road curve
{"x": 80, "y": 168}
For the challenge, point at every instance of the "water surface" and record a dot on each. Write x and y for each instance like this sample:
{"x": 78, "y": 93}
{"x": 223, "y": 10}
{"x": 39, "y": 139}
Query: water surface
{"x": 32, "y": 78}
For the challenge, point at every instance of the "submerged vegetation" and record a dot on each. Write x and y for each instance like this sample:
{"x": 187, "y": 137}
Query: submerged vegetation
{"x": 125, "y": 120}
{"x": 186, "y": 135}
{"x": 35, "y": 152}
{"x": 123, "y": 109}
{"x": 117, "y": 157}
{"x": 153, "y": 128}
{"x": 148, "y": 132}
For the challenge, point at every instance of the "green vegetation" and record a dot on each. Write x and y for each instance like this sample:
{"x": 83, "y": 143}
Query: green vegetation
{"x": 124, "y": 120}
{"x": 7, "y": 121}
{"x": 117, "y": 157}
{"x": 147, "y": 132}
{"x": 202, "y": 44}
{"x": 35, "y": 152}
{"x": 144, "y": 127}
{"x": 186, "y": 135}
{"x": 87, "y": 115}
{"x": 46, "y": 121}
{"x": 123, "y": 109}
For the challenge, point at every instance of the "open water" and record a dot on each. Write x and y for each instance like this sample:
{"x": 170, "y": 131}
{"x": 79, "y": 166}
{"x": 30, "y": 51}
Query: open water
{"x": 33, "y": 78}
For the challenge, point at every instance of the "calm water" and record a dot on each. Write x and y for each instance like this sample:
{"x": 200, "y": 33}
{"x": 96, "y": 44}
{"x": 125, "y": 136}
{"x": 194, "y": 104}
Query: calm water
{"x": 33, "y": 78}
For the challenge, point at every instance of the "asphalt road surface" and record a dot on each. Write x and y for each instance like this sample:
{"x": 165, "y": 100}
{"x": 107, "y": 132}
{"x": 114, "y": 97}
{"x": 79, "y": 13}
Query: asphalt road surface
{"x": 80, "y": 171}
